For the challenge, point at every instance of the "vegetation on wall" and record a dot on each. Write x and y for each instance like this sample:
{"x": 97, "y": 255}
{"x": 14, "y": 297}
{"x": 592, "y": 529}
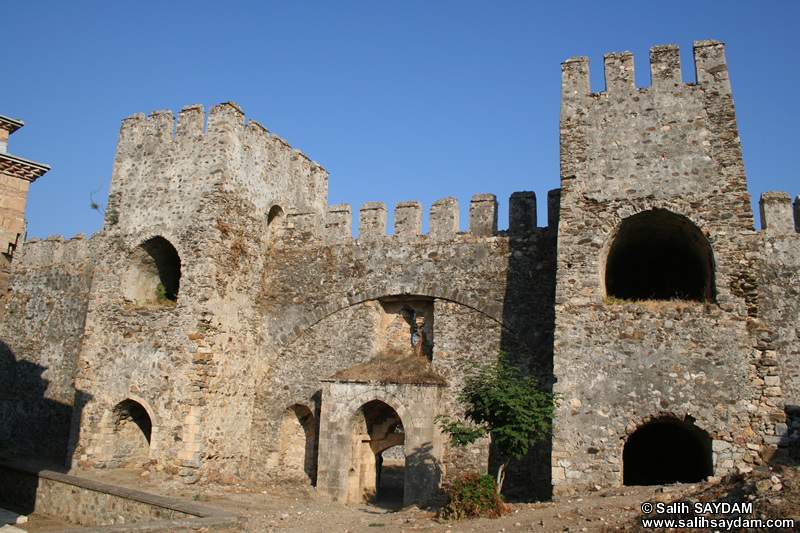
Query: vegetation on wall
{"x": 394, "y": 365}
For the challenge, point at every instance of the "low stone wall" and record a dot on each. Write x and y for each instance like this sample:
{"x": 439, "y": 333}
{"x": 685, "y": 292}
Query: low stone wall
{"x": 90, "y": 503}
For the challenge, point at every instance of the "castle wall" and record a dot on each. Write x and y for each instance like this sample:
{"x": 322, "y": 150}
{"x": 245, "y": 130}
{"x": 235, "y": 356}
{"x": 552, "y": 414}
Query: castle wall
{"x": 206, "y": 318}
{"x": 779, "y": 296}
{"x": 326, "y": 305}
{"x": 670, "y": 150}
{"x": 41, "y": 339}
{"x": 274, "y": 294}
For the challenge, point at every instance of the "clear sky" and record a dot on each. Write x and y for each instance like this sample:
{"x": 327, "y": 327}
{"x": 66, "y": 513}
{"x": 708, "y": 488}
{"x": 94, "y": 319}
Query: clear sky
{"x": 397, "y": 100}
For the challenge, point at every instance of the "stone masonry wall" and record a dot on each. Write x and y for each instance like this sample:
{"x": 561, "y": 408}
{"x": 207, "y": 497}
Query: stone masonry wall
{"x": 274, "y": 294}
{"x": 89, "y": 503}
{"x": 329, "y": 299}
{"x": 40, "y": 340}
{"x": 190, "y": 362}
{"x": 779, "y": 301}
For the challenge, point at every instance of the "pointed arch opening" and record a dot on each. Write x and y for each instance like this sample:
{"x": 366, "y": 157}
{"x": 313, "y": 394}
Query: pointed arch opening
{"x": 667, "y": 450}
{"x": 659, "y": 255}
{"x": 298, "y": 444}
{"x": 154, "y": 273}
{"x": 376, "y": 428}
{"x": 275, "y": 215}
{"x": 132, "y": 432}
{"x": 276, "y": 222}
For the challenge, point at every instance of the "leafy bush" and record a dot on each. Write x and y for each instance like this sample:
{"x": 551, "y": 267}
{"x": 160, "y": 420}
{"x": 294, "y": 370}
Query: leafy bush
{"x": 501, "y": 402}
{"x": 161, "y": 293}
{"x": 473, "y": 496}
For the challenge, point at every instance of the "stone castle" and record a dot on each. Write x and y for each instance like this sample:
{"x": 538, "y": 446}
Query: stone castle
{"x": 199, "y": 335}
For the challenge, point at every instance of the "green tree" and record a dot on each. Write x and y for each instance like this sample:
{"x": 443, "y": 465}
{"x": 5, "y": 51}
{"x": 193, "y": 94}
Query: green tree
{"x": 499, "y": 401}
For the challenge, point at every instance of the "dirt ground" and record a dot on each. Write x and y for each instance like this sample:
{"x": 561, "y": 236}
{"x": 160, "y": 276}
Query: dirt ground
{"x": 774, "y": 490}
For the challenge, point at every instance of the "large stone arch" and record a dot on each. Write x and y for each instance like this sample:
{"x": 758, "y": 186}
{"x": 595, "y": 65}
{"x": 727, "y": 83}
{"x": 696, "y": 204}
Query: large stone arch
{"x": 125, "y": 434}
{"x": 667, "y": 449}
{"x": 298, "y": 442}
{"x": 295, "y": 369}
{"x": 152, "y": 258}
{"x": 652, "y": 417}
{"x": 286, "y": 334}
{"x": 658, "y": 254}
{"x": 609, "y": 226}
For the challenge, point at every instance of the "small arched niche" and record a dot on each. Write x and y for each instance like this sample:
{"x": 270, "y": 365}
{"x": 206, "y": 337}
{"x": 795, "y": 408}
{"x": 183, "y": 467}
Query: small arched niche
{"x": 131, "y": 434}
{"x": 275, "y": 215}
{"x": 659, "y": 255}
{"x": 154, "y": 273}
{"x": 667, "y": 450}
{"x": 276, "y": 221}
{"x": 298, "y": 445}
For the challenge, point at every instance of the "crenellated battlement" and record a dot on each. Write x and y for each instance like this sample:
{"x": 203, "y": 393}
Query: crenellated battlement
{"x": 443, "y": 219}
{"x": 665, "y": 70}
{"x": 778, "y": 215}
{"x": 669, "y": 138}
{"x": 165, "y": 169}
{"x": 226, "y": 122}
{"x": 55, "y": 250}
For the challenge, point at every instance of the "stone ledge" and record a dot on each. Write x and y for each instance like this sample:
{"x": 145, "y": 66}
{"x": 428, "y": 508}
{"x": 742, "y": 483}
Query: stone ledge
{"x": 200, "y": 517}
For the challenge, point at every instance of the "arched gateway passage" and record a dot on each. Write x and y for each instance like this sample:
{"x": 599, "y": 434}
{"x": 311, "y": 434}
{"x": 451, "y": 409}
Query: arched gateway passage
{"x": 376, "y": 427}
{"x": 667, "y": 450}
{"x": 359, "y": 421}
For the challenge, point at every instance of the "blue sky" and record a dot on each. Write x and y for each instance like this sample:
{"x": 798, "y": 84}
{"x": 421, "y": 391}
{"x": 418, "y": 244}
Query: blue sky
{"x": 397, "y": 100}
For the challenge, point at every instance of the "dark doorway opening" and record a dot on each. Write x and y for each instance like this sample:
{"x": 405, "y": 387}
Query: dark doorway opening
{"x": 391, "y": 466}
{"x": 665, "y": 451}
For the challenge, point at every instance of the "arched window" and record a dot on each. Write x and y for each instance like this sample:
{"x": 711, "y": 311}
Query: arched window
{"x": 154, "y": 273}
{"x": 658, "y": 255}
{"x": 275, "y": 215}
{"x": 667, "y": 450}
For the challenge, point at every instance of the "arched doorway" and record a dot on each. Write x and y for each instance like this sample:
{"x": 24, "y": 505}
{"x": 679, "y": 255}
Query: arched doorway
{"x": 659, "y": 255}
{"x": 667, "y": 450}
{"x": 131, "y": 435}
{"x": 376, "y": 428}
{"x": 298, "y": 445}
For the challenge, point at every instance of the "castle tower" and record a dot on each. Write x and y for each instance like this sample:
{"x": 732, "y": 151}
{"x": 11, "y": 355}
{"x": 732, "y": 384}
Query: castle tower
{"x": 654, "y": 288}
{"x": 171, "y": 328}
{"x": 16, "y": 175}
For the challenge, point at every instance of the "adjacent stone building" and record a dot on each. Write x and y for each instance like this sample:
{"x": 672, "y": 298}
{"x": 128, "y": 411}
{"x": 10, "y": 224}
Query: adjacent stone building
{"x": 204, "y": 333}
{"x": 16, "y": 175}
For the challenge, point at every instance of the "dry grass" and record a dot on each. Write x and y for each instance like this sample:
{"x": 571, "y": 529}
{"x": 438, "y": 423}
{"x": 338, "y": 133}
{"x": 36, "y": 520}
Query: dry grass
{"x": 394, "y": 366}
{"x": 654, "y": 305}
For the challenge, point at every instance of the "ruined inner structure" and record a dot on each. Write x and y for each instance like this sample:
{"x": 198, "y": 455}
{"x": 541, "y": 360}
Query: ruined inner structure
{"x": 226, "y": 324}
